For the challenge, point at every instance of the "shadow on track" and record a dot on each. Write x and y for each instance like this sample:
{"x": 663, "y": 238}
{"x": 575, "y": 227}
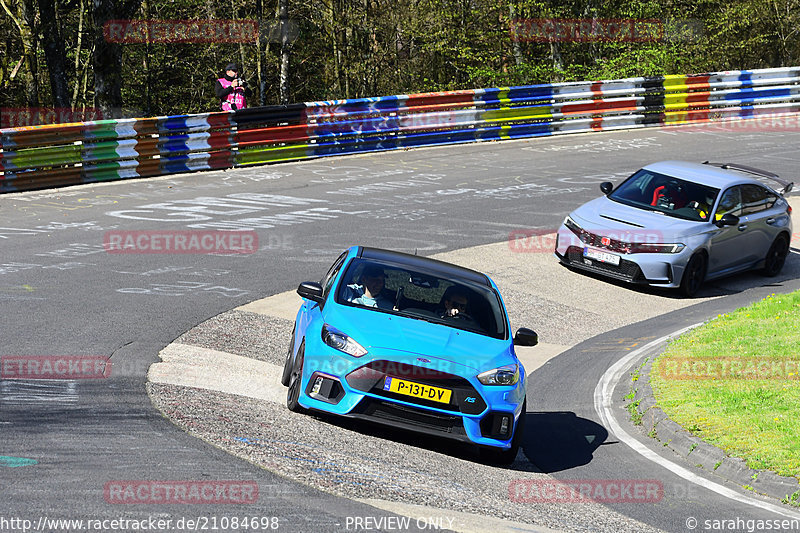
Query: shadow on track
{"x": 556, "y": 441}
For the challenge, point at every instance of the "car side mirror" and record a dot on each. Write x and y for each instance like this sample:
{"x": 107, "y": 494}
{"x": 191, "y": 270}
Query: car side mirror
{"x": 310, "y": 290}
{"x": 727, "y": 219}
{"x": 606, "y": 187}
{"x": 526, "y": 337}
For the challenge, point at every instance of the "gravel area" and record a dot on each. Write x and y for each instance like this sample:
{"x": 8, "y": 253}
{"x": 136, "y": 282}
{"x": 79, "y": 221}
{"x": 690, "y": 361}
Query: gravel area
{"x": 555, "y": 322}
{"x": 355, "y": 460}
{"x": 260, "y": 337}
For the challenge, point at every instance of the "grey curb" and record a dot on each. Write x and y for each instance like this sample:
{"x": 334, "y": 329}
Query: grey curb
{"x": 698, "y": 453}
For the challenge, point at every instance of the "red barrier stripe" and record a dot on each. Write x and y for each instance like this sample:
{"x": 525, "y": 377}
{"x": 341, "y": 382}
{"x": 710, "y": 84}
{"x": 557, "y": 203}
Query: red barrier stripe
{"x": 221, "y": 159}
{"x": 599, "y": 105}
{"x": 220, "y": 120}
{"x": 698, "y": 81}
{"x": 699, "y": 97}
{"x": 220, "y": 140}
{"x": 422, "y": 99}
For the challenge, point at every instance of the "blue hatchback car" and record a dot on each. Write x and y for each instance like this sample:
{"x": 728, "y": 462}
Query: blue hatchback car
{"x": 413, "y": 343}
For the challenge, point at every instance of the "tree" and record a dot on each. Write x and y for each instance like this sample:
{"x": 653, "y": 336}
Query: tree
{"x": 108, "y": 68}
{"x": 55, "y": 53}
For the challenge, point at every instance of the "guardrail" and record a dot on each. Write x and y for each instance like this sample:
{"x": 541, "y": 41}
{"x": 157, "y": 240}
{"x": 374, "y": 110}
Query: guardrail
{"x": 65, "y": 154}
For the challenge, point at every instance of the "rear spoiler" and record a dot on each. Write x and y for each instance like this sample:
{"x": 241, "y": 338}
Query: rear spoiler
{"x": 787, "y": 185}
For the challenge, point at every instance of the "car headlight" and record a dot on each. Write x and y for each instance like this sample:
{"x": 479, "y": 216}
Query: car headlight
{"x": 336, "y": 339}
{"x": 655, "y": 248}
{"x": 572, "y": 226}
{"x": 505, "y": 375}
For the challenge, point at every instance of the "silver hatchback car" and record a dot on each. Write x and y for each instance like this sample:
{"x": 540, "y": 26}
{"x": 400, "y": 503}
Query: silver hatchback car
{"x": 675, "y": 224}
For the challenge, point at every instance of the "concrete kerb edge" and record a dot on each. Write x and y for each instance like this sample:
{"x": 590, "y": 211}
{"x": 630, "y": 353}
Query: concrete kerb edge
{"x": 655, "y": 423}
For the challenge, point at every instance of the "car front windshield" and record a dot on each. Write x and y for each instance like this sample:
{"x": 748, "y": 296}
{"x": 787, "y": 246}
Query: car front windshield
{"x": 666, "y": 194}
{"x": 395, "y": 289}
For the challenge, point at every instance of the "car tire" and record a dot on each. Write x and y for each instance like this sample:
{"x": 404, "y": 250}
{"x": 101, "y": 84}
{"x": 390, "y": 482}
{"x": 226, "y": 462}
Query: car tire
{"x": 295, "y": 382}
{"x": 287, "y": 365}
{"x": 506, "y": 457}
{"x": 693, "y": 275}
{"x": 776, "y": 256}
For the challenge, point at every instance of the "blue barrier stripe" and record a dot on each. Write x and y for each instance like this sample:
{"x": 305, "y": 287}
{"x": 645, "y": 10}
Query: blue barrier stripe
{"x": 753, "y": 94}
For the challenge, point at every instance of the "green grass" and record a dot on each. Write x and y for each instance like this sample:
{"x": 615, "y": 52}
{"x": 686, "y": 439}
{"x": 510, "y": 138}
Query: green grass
{"x": 753, "y": 414}
{"x": 792, "y": 499}
{"x": 633, "y": 411}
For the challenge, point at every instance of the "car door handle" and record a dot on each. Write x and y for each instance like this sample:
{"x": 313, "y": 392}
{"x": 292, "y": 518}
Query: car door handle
{"x": 742, "y": 227}
{"x": 770, "y": 221}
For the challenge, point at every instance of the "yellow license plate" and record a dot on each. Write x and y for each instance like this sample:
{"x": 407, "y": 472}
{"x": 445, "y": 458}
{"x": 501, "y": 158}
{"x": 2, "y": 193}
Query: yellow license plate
{"x": 417, "y": 390}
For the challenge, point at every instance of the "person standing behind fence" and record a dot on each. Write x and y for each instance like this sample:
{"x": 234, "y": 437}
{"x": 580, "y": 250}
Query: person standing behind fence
{"x": 231, "y": 90}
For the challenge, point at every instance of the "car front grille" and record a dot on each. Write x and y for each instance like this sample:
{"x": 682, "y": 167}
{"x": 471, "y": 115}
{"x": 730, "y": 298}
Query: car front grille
{"x": 626, "y": 271}
{"x": 371, "y": 378}
{"x": 395, "y": 414}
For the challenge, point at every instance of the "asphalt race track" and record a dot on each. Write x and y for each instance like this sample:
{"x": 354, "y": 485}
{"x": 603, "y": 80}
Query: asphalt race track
{"x": 63, "y": 294}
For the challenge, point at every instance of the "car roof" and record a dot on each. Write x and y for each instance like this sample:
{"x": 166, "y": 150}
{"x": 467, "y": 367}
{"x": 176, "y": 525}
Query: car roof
{"x": 423, "y": 263}
{"x": 703, "y": 174}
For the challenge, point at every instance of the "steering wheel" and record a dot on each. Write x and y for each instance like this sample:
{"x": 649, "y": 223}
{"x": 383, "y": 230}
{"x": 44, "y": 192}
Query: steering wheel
{"x": 460, "y": 316}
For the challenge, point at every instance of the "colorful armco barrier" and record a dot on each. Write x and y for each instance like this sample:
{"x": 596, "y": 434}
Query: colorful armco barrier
{"x": 65, "y": 154}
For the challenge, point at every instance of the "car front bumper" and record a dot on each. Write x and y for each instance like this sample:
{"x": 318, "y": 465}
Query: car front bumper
{"x": 356, "y": 390}
{"x": 654, "y": 269}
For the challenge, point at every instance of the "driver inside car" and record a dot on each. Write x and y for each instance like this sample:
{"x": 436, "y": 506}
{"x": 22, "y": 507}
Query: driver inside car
{"x": 702, "y": 206}
{"x": 369, "y": 289}
{"x": 455, "y": 303}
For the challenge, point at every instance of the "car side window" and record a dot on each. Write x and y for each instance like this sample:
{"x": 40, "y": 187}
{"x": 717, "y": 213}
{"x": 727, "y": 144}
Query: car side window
{"x": 754, "y": 199}
{"x": 327, "y": 281}
{"x": 731, "y": 202}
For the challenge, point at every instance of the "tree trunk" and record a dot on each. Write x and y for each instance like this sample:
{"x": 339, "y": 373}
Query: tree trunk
{"x": 517, "y": 49}
{"x": 259, "y": 61}
{"x": 284, "y": 22}
{"x": 337, "y": 54}
{"x": 55, "y": 52}
{"x": 108, "y": 56}
{"x": 78, "y": 54}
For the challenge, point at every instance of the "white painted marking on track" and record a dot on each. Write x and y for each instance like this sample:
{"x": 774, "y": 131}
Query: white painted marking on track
{"x": 602, "y": 404}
